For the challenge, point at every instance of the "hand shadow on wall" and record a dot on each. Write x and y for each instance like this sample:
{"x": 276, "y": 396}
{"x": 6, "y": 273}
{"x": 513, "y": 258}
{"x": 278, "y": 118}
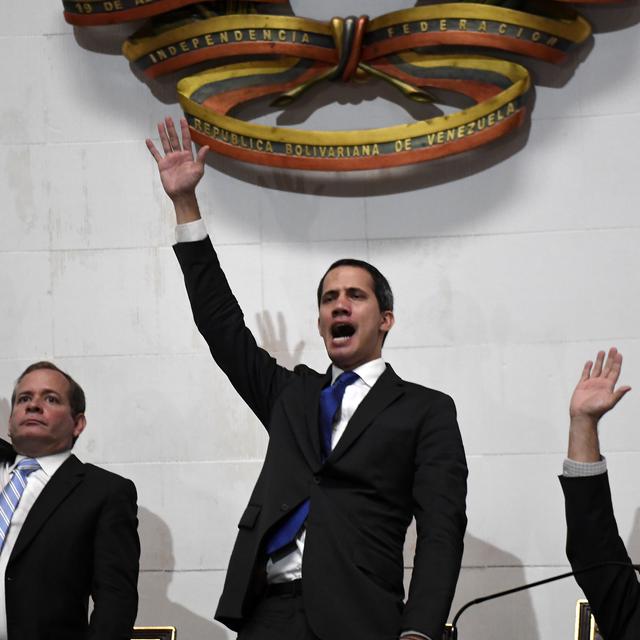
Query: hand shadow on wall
{"x": 156, "y": 573}
{"x": 276, "y": 342}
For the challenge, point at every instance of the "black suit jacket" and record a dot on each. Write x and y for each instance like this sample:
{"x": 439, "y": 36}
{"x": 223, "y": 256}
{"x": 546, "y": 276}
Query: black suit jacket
{"x": 400, "y": 456}
{"x": 79, "y": 539}
{"x": 592, "y": 537}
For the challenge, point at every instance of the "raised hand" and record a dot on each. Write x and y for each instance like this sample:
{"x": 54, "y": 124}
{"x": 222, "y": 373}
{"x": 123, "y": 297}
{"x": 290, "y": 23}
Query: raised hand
{"x": 179, "y": 170}
{"x": 595, "y": 393}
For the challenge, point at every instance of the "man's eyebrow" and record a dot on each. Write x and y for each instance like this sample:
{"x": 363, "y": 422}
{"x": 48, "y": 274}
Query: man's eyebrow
{"x": 43, "y": 391}
{"x": 352, "y": 289}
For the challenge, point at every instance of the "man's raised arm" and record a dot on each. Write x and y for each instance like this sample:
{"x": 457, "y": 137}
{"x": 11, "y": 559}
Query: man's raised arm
{"x": 592, "y": 533}
{"x": 215, "y": 309}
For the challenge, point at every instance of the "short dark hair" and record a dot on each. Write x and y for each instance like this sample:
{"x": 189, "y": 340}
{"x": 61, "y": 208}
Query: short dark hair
{"x": 381, "y": 286}
{"x": 76, "y": 397}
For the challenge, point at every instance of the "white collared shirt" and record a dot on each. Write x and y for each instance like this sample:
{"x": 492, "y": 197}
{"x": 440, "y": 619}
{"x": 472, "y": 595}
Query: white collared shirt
{"x": 36, "y": 482}
{"x": 290, "y": 566}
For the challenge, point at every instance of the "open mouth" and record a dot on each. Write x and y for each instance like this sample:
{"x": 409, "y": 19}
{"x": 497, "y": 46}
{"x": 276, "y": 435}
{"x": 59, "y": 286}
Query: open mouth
{"x": 342, "y": 332}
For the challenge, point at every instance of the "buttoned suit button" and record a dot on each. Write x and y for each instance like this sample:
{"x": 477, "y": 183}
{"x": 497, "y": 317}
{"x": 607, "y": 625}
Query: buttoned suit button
{"x": 316, "y": 479}
{"x": 284, "y": 507}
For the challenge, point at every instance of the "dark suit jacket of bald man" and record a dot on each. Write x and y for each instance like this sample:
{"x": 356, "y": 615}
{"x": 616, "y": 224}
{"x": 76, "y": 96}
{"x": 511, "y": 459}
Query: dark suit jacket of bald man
{"x": 592, "y": 536}
{"x": 400, "y": 456}
{"x": 79, "y": 539}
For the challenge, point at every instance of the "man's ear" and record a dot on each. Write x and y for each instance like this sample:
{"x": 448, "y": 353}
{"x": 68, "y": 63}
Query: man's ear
{"x": 80, "y": 422}
{"x": 387, "y": 321}
{"x": 319, "y": 332}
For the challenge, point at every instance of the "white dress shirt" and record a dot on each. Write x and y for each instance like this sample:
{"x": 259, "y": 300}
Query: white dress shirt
{"x": 36, "y": 482}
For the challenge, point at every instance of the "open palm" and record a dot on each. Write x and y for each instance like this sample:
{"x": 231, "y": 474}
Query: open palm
{"x": 179, "y": 170}
{"x": 595, "y": 393}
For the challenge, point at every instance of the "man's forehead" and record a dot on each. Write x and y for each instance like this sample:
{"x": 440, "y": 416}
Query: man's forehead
{"x": 347, "y": 276}
{"x": 43, "y": 380}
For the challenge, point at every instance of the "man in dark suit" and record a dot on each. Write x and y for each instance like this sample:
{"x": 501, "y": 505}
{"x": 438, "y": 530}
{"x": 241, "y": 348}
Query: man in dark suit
{"x": 353, "y": 454}
{"x": 592, "y": 534}
{"x": 68, "y": 530}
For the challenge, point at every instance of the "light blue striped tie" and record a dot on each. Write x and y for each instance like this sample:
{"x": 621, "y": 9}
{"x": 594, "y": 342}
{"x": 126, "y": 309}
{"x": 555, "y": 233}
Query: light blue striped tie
{"x": 12, "y": 493}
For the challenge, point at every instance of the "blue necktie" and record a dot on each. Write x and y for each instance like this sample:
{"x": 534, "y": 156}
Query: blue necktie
{"x": 12, "y": 493}
{"x": 330, "y": 401}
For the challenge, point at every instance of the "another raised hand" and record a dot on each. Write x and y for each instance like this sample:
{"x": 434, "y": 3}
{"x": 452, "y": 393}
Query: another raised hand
{"x": 594, "y": 395}
{"x": 179, "y": 170}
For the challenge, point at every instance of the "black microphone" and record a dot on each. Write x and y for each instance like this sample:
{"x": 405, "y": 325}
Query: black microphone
{"x": 452, "y": 629}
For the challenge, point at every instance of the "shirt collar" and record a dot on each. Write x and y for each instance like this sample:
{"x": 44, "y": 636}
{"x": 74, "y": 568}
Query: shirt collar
{"x": 369, "y": 372}
{"x": 49, "y": 464}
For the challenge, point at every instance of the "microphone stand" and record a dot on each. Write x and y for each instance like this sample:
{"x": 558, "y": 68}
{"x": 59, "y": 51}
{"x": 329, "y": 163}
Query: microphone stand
{"x": 612, "y": 563}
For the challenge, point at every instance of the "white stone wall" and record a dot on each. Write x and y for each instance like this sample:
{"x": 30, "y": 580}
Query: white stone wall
{"x": 507, "y": 279}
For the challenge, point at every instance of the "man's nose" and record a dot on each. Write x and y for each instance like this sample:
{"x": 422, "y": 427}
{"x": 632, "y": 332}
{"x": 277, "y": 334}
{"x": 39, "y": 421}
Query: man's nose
{"x": 34, "y": 406}
{"x": 342, "y": 306}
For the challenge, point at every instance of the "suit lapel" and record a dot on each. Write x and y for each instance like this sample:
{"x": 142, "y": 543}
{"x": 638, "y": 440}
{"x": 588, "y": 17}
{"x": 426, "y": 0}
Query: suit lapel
{"x": 313, "y": 387}
{"x": 7, "y": 452}
{"x": 385, "y": 391}
{"x": 63, "y": 481}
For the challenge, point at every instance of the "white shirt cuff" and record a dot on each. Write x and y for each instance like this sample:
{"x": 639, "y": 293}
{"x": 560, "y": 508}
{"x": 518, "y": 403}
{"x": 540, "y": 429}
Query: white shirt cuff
{"x": 575, "y": 469}
{"x": 191, "y": 231}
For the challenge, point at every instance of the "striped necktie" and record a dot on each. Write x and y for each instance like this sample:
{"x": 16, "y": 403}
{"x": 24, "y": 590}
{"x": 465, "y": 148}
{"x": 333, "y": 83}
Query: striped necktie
{"x": 11, "y": 494}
